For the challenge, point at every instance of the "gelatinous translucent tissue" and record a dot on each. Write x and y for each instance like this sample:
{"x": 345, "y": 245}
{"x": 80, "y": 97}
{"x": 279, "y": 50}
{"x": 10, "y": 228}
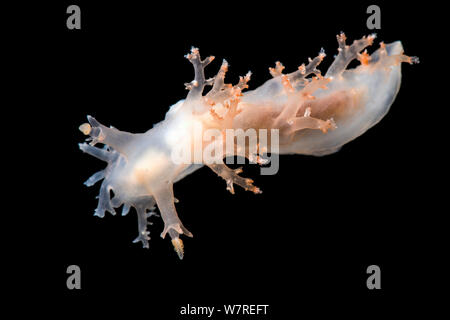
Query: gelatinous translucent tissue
{"x": 313, "y": 114}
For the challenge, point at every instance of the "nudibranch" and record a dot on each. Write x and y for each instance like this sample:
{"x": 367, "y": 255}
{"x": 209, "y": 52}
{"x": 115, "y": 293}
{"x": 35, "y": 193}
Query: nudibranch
{"x": 308, "y": 113}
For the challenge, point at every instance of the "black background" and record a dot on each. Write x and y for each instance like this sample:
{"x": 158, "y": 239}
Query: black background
{"x": 301, "y": 246}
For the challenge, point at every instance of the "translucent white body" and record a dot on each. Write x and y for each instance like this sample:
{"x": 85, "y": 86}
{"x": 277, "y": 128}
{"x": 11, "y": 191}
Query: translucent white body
{"x": 313, "y": 116}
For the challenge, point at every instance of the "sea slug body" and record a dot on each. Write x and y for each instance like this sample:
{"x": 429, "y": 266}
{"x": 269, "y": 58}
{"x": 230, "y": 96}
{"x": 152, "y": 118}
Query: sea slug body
{"x": 304, "y": 112}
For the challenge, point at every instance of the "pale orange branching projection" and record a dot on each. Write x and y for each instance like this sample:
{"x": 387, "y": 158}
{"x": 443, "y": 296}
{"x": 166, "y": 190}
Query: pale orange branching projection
{"x": 313, "y": 114}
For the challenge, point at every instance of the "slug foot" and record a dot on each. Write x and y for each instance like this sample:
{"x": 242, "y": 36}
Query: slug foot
{"x": 232, "y": 177}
